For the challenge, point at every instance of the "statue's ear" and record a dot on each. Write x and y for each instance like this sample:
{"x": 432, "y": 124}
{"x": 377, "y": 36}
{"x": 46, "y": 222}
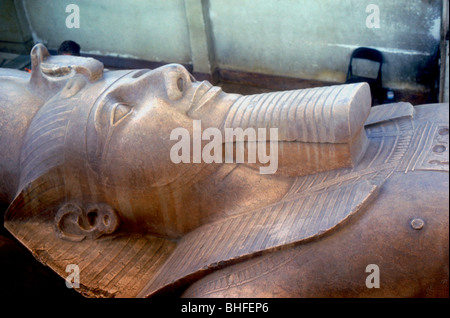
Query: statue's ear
{"x": 60, "y": 233}
{"x": 75, "y": 223}
{"x": 51, "y": 73}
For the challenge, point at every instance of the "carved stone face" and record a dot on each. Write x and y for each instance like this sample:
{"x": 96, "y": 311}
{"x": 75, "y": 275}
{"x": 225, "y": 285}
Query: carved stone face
{"x": 122, "y": 126}
{"x": 128, "y": 135}
{"x": 114, "y": 140}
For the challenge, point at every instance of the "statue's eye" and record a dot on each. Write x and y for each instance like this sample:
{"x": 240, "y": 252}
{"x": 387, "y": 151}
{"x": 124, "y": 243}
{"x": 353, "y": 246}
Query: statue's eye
{"x": 120, "y": 111}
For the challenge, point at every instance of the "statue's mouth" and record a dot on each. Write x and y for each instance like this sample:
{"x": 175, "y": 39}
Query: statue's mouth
{"x": 204, "y": 93}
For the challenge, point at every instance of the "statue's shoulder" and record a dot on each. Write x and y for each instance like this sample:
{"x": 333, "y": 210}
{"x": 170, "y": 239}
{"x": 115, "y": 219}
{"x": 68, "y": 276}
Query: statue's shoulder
{"x": 10, "y": 77}
{"x": 9, "y": 74}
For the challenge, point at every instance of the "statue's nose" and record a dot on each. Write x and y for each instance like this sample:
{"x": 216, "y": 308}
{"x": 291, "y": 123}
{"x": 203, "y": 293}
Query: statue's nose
{"x": 177, "y": 81}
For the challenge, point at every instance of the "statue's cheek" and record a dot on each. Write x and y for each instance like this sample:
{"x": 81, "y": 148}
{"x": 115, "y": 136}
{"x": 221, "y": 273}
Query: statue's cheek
{"x": 135, "y": 159}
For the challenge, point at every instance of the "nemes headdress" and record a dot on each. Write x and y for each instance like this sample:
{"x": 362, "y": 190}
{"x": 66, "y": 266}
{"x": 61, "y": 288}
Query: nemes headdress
{"x": 60, "y": 212}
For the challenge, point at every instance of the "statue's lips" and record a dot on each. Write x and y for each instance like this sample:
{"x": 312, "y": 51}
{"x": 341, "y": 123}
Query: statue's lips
{"x": 204, "y": 93}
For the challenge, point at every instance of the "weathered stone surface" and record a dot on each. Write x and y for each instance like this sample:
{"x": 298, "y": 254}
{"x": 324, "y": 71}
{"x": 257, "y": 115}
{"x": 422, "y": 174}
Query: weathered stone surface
{"x": 90, "y": 180}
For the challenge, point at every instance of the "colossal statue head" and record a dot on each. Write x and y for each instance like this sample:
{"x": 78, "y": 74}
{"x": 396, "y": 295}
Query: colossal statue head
{"x": 105, "y": 138}
{"x": 91, "y": 179}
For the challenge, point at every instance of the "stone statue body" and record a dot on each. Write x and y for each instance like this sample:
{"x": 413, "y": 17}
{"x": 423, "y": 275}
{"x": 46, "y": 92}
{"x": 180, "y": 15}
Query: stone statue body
{"x": 89, "y": 181}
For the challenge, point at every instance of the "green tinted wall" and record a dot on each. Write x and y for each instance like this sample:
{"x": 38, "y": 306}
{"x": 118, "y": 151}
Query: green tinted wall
{"x": 309, "y": 39}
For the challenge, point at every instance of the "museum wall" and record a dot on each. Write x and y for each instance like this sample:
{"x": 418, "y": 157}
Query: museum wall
{"x": 303, "y": 39}
{"x": 150, "y": 30}
{"x": 15, "y": 35}
{"x": 314, "y": 39}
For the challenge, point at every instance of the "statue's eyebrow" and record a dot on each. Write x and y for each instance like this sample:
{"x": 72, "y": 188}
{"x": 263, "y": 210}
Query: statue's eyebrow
{"x": 106, "y": 94}
{"x": 139, "y": 73}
